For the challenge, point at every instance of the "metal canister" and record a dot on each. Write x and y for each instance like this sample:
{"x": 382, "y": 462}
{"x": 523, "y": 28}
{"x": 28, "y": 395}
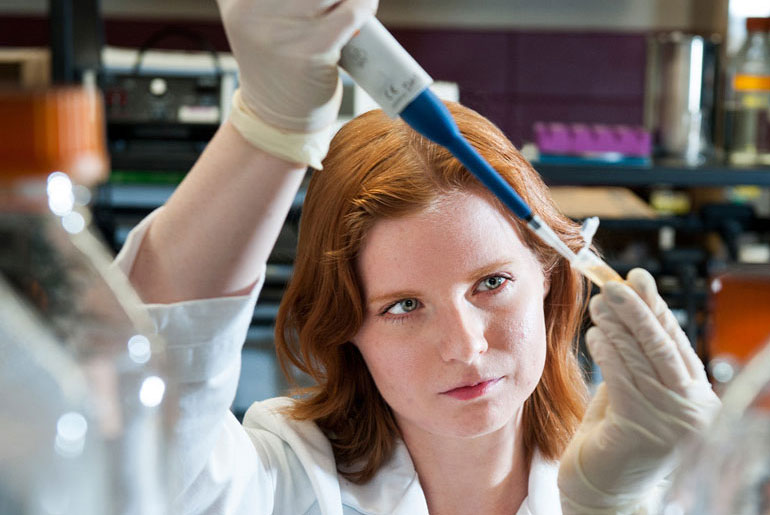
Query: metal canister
{"x": 680, "y": 95}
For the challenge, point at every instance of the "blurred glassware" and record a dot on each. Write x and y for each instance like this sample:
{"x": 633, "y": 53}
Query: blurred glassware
{"x": 739, "y": 306}
{"x": 680, "y": 93}
{"x": 51, "y": 150}
{"x": 747, "y": 98}
{"x": 727, "y": 470}
{"x": 51, "y": 456}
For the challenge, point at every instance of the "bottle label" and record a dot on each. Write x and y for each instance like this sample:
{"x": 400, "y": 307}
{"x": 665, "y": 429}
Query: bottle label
{"x": 751, "y": 83}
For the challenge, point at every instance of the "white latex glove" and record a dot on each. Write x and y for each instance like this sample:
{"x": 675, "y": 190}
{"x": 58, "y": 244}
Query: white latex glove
{"x": 655, "y": 396}
{"x": 287, "y": 53}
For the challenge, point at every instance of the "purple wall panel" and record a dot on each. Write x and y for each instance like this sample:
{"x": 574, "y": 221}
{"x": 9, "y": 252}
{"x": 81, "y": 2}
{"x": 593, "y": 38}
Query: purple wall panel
{"x": 566, "y": 64}
{"x": 519, "y": 78}
{"x": 475, "y": 60}
{"x": 515, "y": 78}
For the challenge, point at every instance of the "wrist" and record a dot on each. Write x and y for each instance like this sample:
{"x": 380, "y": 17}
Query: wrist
{"x": 304, "y": 148}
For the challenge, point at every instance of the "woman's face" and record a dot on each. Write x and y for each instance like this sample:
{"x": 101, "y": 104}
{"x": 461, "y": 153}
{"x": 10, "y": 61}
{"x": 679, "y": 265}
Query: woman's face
{"x": 453, "y": 332}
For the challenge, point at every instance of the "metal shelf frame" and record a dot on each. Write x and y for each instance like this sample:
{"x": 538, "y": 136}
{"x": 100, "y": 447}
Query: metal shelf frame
{"x": 650, "y": 176}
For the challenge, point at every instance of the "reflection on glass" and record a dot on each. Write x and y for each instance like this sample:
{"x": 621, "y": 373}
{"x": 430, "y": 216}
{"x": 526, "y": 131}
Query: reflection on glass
{"x": 61, "y": 199}
{"x": 61, "y": 271}
{"x": 139, "y": 348}
{"x": 151, "y": 393}
{"x": 71, "y": 431}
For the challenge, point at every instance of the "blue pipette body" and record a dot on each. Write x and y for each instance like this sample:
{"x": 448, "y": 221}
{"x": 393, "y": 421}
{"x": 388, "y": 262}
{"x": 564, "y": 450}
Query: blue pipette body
{"x": 428, "y": 115}
{"x": 399, "y": 85}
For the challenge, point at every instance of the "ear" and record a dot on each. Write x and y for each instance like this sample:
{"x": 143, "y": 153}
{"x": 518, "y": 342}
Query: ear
{"x": 546, "y": 284}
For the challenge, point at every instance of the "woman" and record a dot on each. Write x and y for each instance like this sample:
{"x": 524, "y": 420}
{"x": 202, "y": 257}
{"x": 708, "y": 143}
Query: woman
{"x": 438, "y": 329}
{"x": 392, "y": 212}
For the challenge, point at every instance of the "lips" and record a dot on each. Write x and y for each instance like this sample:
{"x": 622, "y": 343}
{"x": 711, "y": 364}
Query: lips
{"x": 473, "y": 390}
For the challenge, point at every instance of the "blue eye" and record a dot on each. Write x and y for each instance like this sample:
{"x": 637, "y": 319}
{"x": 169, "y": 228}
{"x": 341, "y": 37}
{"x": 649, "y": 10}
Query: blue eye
{"x": 403, "y": 307}
{"x": 492, "y": 282}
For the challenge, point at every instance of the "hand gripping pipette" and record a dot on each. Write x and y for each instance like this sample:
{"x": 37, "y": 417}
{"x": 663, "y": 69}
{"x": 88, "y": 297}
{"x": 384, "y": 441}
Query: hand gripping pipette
{"x": 381, "y": 66}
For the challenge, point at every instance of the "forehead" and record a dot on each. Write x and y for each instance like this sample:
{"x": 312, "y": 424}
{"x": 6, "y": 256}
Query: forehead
{"x": 460, "y": 231}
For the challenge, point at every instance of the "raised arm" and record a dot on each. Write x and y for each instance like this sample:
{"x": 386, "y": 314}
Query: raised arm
{"x": 216, "y": 231}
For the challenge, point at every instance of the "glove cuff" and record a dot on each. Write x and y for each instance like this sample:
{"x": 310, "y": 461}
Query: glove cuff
{"x": 308, "y": 148}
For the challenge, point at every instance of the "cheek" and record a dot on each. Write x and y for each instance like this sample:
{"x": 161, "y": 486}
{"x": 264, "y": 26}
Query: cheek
{"x": 393, "y": 362}
{"x": 522, "y": 337}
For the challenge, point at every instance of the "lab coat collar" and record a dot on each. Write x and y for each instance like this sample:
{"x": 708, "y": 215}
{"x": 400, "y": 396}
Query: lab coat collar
{"x": 395, "y": 489}
{"x": 542, "y": 489}
{"x": 308, "y": 443}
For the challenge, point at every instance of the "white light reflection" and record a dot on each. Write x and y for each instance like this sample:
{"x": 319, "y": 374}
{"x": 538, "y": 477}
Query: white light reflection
{"x": 71, "y": 431}
{"x": 61, "y": 199}
{"x": 139, "y": 349}
{"x": 152, "y": 390}
{"x": 82, "y": 195}
{"x": 73, "y": 222}
{"x": 722, "y": 371}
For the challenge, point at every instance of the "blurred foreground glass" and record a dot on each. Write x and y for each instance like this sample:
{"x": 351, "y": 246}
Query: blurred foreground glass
{"x": 727, "y": 471}
{"x": 81, "y": 385}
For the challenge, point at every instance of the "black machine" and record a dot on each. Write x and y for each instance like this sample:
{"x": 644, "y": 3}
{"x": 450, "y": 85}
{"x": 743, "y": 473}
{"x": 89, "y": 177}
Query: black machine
{"x": 160, "y": 118}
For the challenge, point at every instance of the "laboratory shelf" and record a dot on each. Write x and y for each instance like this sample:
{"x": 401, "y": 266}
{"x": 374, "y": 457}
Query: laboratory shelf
{"x": 143, "y": 197}
{"x": 138, "y": 196}
{"x": 654, "y": 175}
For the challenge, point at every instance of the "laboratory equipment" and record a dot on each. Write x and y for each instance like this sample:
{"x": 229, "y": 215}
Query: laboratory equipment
{"x": 739, "y": 302}
{"x": 747, "y": 98}
{"x": 726, "y": 471}
{"x": 51, "y": 149}
{"x": 381, "y": 66}
{"x": 680, "y": 95}
{"x": 51, "y": 455}
{"x": 581, "y": 143}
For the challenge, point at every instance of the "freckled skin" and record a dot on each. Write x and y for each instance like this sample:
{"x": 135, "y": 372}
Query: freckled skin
{"x": 461, "y": 330}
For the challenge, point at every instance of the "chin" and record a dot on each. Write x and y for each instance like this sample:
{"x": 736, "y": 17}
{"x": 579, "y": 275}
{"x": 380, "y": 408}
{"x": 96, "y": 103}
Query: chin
{"x": 481, "y": 419}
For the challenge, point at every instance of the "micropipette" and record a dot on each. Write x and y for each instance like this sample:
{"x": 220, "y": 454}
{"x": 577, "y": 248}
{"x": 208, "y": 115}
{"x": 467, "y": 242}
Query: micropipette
{"x": 381, "y": 66}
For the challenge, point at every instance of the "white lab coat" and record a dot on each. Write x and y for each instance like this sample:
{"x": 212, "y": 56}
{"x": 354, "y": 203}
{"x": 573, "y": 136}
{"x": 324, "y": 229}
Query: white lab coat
{"x": 271, "y": 464}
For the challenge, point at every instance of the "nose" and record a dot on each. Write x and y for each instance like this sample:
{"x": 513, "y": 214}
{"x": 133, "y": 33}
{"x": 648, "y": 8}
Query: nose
{"x": 462, "y": 334}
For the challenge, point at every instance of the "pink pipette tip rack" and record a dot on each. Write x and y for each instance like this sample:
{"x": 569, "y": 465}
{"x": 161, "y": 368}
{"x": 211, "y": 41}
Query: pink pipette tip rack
{"x": 579, "y": 139}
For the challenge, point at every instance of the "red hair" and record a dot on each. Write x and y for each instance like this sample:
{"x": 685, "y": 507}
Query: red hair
{"x": 380, "y": 168}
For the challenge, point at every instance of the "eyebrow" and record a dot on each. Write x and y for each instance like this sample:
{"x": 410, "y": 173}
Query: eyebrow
{"x": 490, "y": 268}
{"x": 408, "y": 294}
{"x": 392, "y": 296}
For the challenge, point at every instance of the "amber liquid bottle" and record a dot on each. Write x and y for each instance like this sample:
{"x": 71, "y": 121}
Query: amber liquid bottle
{"x": 79, "y": 365}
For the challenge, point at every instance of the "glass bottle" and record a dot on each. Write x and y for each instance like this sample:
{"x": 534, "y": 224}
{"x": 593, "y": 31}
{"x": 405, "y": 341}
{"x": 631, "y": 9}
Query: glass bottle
{"x": 51, "y": 456}
{"x": 726, "y": 469}
{"x": 51, "y": 150}
{"x": 747, "y": 99}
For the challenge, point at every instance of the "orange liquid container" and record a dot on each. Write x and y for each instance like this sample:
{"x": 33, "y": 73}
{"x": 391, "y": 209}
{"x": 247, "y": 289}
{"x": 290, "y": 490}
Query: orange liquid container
{"x": 740, "y": 312}
{"x": 66, "y": 313}
{"x": 724, "y": 471}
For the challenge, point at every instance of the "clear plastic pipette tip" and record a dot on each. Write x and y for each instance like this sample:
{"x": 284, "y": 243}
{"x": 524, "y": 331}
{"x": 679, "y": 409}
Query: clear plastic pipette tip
{"x": 585, "y": 261}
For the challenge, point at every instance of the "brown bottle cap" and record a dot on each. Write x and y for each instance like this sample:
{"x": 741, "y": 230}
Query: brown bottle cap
{"x": 757, "y": 24}
{"x": 45, "y": 131}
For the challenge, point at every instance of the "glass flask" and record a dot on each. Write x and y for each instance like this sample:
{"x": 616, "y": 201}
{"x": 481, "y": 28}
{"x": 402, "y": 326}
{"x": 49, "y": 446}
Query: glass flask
{"x": 727, "y": 470}
{"x": 51, "y": 457}
{"x": 747, "y": 99}
{"x": 51, "y": 150}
